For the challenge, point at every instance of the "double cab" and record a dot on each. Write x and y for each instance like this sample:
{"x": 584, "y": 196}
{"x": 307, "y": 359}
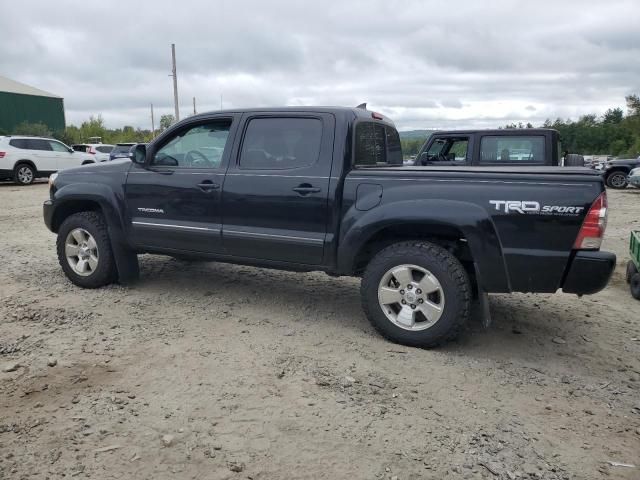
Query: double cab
{"x": 324, "y": 189}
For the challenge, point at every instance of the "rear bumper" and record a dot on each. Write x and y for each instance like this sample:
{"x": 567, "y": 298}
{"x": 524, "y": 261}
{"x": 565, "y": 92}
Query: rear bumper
{"x": 589, "y": 272}
{"x": 47, "y": 213}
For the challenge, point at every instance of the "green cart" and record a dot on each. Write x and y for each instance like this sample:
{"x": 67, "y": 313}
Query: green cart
{"x": 633, "y": 266}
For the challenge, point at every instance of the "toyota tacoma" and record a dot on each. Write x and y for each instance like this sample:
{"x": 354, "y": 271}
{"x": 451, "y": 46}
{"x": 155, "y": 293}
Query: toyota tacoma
{"x": 324, "y": 189}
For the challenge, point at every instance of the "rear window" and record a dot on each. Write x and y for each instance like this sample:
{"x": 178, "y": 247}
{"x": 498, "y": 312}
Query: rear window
{"x": 18, "y": 143}
{"x": 377, "y": 145}
{"x": 512, "y": 149}
{"x": 105, "y": 149}
{"x": 80, "y": 148}
{"x": 121, "y": 148}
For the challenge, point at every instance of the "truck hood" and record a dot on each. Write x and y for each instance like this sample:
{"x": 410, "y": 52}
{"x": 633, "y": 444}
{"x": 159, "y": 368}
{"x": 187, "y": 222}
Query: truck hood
{"x": 122, "y": 165}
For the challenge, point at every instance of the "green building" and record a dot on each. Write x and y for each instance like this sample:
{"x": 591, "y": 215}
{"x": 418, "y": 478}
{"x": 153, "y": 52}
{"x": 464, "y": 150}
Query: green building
{"x": 21, "y": 103}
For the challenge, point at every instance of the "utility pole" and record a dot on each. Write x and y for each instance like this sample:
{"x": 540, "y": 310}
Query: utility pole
{"x": 174, "y": 74}
{"x": 153, "y": 125}
{"x": 194, "y": 105}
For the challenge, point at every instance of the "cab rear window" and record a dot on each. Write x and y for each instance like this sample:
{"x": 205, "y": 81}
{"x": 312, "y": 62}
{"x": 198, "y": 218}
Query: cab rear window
{"x": 377, "y": 145}
{"x": 512, "y": 149}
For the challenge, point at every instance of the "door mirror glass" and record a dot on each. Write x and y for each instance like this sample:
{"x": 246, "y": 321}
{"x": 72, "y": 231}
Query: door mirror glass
{"x": 138, "y": 153}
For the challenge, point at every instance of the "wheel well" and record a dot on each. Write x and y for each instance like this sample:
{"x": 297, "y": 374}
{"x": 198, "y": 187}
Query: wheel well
{"x": 449, "y": 238}
{"x": 27, "y": 162}
{"x": 68, "y": 209}
{"x": 618, "y": 169}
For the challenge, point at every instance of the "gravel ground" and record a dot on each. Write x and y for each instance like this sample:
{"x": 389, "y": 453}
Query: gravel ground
{"x": 207, "y": 371}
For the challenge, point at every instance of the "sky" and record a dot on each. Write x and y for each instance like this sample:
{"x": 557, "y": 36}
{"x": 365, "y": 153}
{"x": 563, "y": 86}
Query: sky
{"x": 426, "y": 64}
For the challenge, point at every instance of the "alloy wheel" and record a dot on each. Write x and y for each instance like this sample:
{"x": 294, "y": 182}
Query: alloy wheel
{"x": 411, "y": 297}
{"x": 81, "y": 251}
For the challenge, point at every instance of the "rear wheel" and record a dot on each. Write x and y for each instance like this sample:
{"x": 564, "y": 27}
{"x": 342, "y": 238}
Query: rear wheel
{"x": 84, "y": 250}
{"x": 24, "y": 174}
{"x": 634, "y": 286}
{"x": 631, "y": 271}
{"x": 416, "y": 294}
{"x": 617, "y": 180}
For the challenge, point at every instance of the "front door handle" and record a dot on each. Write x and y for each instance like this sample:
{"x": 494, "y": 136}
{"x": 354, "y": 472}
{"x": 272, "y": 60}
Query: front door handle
{"x": 208, "y": 186}
{"x": 305, "y": 189}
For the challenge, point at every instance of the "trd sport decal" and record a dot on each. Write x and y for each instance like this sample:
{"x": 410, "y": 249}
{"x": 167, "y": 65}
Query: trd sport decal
{"x": 533, "y": 207}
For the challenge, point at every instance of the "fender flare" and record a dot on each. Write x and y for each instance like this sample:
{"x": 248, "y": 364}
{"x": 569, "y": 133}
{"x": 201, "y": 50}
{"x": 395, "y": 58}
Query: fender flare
{"x": 471, "y": 220}
{"x": 111, "y": 207}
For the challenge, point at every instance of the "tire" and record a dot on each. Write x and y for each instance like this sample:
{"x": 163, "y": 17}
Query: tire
{"x": 634, "y": 286}
{"x": 617, "y": 180}
{"x": 74, "y": 236}
{"x": 631, "y": 271}
{"x": 439, "y": 316}
{"x": 24, "y": 174}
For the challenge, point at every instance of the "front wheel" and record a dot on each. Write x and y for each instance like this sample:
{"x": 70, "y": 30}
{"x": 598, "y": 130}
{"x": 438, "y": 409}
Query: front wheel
{"x": 416, "y": 294}
{"x": 617, "y": 180}
{"x": 84, "y": 250}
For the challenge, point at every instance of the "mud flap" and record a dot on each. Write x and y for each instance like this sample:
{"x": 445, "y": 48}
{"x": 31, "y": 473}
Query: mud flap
{"x": 125, "y": 258}
{"x": 484, "y": 309}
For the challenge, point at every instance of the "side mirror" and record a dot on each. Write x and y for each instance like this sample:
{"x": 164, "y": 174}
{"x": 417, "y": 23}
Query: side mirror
{"x": 138, "y": 153}
{"x": 71, "y": 150}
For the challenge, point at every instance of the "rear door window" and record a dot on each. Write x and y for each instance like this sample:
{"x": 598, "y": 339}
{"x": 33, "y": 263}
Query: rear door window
{"x": 377, "y": 145}
{"x": 281, "y": 143}
{"x": 512, "y": 149}
{"x": 37, "y": 144}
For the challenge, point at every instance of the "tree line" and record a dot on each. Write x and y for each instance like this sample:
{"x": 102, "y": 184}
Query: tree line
{"x": 614, "y": 133}
{"x": 94, "y": 127}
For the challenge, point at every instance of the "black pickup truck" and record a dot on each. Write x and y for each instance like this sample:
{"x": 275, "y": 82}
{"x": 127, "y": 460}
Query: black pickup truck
{"x": 499, "y": 147}
{"x": 307, "y": 189}
{"x": 615, "y": 172}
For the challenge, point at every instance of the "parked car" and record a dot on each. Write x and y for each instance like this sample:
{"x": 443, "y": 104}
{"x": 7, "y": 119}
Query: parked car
{"x": 121, "y": 150}
{"x": 24, "y": 159}
{"x": 501, "y": 147}
{"x": 616, "y": 171}
{"x": 101, "y": 151}
{"x": 307, "y": 189}
{"x": 634, "y": 177}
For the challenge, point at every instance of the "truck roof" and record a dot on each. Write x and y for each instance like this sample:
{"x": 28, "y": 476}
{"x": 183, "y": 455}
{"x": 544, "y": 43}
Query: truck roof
{"x": 357, "y": 112}
{"x": 498, "y": 131}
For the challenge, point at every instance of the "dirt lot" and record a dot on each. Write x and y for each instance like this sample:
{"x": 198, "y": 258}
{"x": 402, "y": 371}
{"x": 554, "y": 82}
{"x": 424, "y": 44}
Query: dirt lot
{"x": 206, "y": 370}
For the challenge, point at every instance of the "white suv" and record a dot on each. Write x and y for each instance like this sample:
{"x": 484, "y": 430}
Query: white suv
{"x": 24, "y": 159}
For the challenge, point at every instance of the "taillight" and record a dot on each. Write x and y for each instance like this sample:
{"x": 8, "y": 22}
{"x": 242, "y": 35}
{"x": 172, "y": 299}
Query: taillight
{"x": 593, "y": 226}
{"x": 2, "y": 154}
{"x": 92, "y": 150}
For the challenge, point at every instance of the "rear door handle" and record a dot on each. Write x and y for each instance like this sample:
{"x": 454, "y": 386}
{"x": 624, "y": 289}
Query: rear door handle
{"x": 208, "y": 186}
{"x": 305, "y": 189}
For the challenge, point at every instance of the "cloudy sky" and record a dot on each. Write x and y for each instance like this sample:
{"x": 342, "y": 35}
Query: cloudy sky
{"x": 427, "y": 64}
